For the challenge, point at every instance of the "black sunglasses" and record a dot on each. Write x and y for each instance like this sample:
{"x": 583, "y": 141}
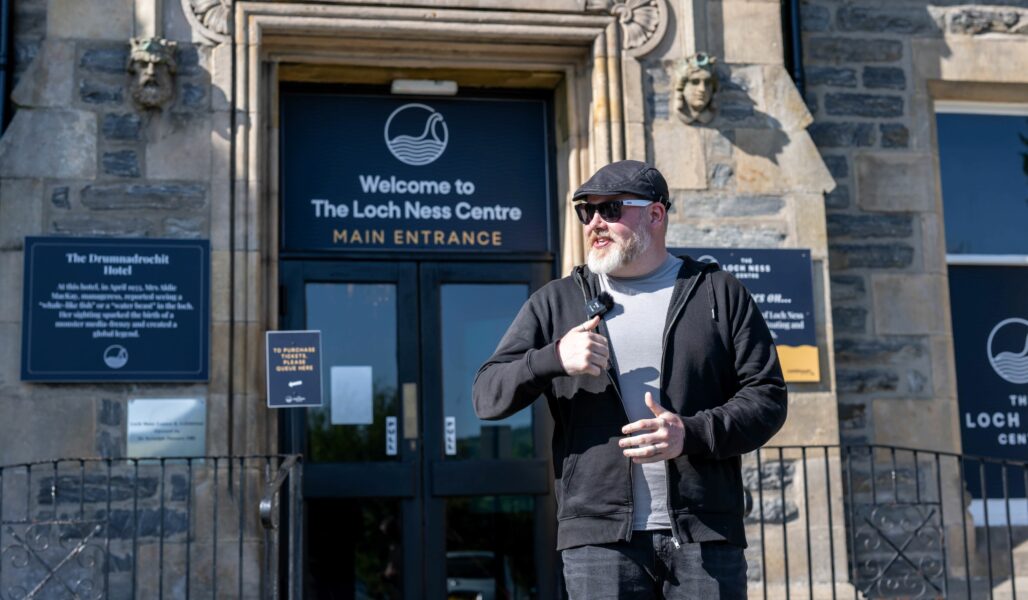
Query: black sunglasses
{"x": 610, "y": 211}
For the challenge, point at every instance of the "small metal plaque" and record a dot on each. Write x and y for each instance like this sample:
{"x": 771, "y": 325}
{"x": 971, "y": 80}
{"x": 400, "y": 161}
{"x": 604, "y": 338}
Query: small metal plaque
{"x": 166, "y": 427}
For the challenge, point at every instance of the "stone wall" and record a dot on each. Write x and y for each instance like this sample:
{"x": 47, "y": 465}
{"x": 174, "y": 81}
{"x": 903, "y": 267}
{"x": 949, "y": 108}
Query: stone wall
{"x": 857, "y": 77}
{"x": 874, "y": 70}
{"x": 80, "y": 159}
{"x": 873, "y": 126}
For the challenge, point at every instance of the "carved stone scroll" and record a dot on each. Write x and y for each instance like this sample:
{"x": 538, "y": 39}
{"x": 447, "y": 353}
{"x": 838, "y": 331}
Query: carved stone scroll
{"x": 212, "y": 19}
{"x": 643, "y": 22}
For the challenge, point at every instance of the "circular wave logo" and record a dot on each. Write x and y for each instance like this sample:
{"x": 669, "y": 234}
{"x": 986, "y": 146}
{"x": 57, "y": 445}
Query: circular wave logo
{"x": 1010, "y": 359}
{"x": 416, "y": 134}
{"x": 115, "y": 356}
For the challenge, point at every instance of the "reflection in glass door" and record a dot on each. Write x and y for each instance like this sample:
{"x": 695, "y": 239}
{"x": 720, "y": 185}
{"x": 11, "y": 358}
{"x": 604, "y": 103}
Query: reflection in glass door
{"x": 488, "y": 509}
{"x": 473, "y": 318}
{"x": 408, "y": 494}
{"x": 361, "y": 381}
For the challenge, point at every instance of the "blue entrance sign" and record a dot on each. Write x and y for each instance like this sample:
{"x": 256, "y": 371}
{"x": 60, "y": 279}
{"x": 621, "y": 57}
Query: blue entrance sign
{"x": 990, "y": 340}
{"x": 365, "y": 172}
{"x": 780, "y": 281}
{"x": 102, "y": 309}
{"x": 294, "y": 368}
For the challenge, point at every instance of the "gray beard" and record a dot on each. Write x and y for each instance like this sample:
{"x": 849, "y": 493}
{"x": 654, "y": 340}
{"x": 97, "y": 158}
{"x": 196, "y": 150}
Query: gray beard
{"x": 618, "y": 255}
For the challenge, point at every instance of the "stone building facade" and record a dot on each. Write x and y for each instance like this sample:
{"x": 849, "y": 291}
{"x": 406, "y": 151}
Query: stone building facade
{"x": 847, "y": 168}
{"x": 873, "y": 72}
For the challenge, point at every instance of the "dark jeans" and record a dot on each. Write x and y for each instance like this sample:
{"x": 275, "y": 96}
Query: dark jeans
{"x": 651, "y": 567}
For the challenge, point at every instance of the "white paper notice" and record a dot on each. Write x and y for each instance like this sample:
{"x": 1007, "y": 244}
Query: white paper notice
{"x": 172, "y": 427}
{"x": 351, "y": 396}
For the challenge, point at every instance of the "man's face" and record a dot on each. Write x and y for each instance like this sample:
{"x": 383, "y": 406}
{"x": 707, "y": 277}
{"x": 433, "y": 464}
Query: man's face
{"x": 698, "y": 89}
{"x": 615, "y": 245}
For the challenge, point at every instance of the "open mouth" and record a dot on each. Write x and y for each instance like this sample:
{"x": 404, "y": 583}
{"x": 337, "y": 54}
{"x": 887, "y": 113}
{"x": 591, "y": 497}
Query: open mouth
{"x": 601, "y": 242}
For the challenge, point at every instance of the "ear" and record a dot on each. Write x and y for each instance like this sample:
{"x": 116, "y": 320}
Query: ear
{"x": 658, "y": 212}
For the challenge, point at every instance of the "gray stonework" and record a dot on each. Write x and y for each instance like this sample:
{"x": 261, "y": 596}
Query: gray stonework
{"x": 29, "y": 17}
{"x": 858, "y": 62}
{"x": 977, "y": 20}
{"x": 893, "y": 350}
{"x": 78, "y": 159}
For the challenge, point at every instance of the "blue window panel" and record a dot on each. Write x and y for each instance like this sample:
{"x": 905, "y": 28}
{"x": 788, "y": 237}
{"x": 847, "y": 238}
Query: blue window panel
{"x": 983, "y": 159}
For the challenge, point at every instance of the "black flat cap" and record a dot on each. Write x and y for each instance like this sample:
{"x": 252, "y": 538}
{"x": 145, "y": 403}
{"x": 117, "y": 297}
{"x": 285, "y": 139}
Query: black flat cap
{"x": 626, "y": 177}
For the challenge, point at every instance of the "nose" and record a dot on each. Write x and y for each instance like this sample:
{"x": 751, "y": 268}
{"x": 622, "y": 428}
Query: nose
{"x": 595, "y": 222}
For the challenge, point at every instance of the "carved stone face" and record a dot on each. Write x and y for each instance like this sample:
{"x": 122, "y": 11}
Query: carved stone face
{"x": 698, "y": 89}
{"x": 695, "y": 85}
{"x": 152, "y": 65}
{"x": 152, "y": 85}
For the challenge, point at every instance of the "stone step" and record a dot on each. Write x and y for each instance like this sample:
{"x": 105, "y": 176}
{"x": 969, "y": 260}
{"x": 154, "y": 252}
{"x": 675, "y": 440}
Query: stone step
{"x": 1021, "y": 559}
{"x": 843, "y": 589}
{"x": 1006, "y": 590}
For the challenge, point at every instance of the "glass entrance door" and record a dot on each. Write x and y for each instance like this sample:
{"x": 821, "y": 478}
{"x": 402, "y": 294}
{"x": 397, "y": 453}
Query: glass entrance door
{"x": 407, "y": 493}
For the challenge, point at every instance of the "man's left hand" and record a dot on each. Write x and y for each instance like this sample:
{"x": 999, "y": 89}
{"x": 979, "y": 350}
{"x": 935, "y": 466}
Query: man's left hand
{"x": 662, "y": 438}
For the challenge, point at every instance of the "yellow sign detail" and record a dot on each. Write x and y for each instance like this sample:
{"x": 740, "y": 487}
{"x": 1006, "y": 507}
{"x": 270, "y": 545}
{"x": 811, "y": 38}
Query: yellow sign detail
{"x": 800, "y": 363}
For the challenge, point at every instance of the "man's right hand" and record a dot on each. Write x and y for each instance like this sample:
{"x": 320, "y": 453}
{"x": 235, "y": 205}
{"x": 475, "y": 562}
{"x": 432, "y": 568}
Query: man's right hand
{"x": 582, "y": 350}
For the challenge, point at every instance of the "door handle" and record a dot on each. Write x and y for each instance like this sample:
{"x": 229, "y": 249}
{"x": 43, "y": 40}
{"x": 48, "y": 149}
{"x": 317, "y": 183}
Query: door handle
{"x": 410, "y": 411}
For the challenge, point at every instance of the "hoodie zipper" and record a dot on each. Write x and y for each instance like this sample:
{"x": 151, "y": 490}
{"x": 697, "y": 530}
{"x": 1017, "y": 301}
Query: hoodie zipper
{"x": 617, "y": 391}
{"x": 663, "y": 351}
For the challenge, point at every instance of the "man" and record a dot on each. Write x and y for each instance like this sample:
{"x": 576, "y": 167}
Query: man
{"x": 652, "y": 404}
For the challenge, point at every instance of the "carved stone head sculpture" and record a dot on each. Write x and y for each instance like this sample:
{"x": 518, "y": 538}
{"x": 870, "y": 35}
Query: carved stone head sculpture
{"x": 695, "y": 85}
{"x": 152, "y": 65}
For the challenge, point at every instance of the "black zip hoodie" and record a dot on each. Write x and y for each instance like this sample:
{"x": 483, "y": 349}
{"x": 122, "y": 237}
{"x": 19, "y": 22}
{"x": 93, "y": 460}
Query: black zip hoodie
{"x": 720, "y": 373}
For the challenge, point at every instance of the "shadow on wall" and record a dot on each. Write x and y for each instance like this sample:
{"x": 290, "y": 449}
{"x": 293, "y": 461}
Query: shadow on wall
{"x": 737, "y": 110}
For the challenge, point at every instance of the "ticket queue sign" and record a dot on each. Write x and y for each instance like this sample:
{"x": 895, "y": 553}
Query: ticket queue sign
{"x": 115, "y": 309}
{"x": 781, "y": 283}
{"x": 293, "y": 368}
{"x": 376, "y": 172}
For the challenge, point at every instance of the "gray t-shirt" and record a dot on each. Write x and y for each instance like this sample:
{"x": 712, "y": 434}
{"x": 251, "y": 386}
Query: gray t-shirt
{"x": 636, "y": 327}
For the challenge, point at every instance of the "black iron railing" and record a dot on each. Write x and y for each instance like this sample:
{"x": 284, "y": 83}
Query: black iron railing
{"x": 207, "y": 527}
{"x": 885, "y": 522}
{"x": 823, "y": 522}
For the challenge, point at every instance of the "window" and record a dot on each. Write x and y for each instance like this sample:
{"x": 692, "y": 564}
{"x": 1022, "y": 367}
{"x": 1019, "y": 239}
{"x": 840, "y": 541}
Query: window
{"x": 983, "y": 163}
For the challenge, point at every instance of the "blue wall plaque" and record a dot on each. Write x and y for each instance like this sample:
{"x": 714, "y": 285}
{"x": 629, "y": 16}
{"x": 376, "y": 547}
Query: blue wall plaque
{"x": 294, "y": 368}
{"x": 780, "y": 281}
{"x": 366, "y": 172}
{"x": 105, "y": 309}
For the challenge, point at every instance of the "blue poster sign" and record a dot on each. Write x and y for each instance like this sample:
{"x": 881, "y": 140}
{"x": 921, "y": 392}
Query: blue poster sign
{"x": 105, "y": 309}
{"x": 294, "y": 368}
{"x": 368, "y": 172}
{"x": 990, "y": 341}
{"x": 780, "y": 281}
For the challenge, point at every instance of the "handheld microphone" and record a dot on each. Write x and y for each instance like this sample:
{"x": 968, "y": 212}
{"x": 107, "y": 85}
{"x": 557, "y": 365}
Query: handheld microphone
{"x": 599, "y": 305}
